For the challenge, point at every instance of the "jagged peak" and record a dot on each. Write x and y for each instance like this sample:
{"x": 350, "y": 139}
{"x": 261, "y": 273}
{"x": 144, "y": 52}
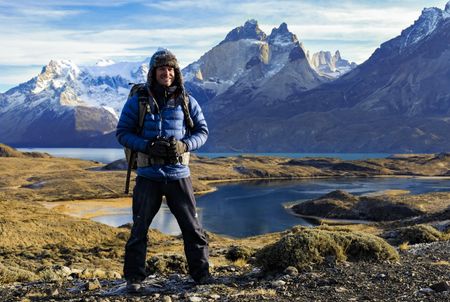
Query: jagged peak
{"x": 251, "y": 23}
{"x": 60, "y": 67}
{"x": 250, "y": 30}
{"x": 424, "y": 26}
{"x": 337, "y": 54}
{"x": 282, "y": 35}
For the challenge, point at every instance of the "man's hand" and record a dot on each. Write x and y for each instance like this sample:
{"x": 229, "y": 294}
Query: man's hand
{"x": 176, "y": 147}
{"x": 158, "y": 148}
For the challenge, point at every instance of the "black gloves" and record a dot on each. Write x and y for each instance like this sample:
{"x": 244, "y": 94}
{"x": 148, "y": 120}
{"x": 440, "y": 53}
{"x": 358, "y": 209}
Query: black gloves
{"x": 176, "y": 147}
{"x": 158, "y": 148}
{"x": 167, "y": 148}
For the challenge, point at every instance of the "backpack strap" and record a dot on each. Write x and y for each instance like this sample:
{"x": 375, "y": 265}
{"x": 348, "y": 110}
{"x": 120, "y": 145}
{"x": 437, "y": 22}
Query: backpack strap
{"x": 144, "y": 107}
{"x": 187, "y": 115}
{"x": 144, "y": 104}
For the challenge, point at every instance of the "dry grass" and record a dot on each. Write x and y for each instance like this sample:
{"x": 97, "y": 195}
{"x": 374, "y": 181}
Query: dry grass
{"x": 441, "y": 262}
{"x": 240, "y": 262}
{"x": 261, "y": 292}
{"x": 33, "y": 237}
{"x": 404, "y": 246}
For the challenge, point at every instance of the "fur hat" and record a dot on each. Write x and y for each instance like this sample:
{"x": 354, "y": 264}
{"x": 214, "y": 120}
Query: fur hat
{"x": 163, "y": 57}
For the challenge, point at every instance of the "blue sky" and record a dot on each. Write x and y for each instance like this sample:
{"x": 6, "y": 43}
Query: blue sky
{"x": 34, "y": 32}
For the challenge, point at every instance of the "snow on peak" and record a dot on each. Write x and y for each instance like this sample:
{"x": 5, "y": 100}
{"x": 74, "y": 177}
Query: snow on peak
{"x": 56, "y": 74}
{"x": 422, "y": 27}
{"x": 282, "y": 36}
{"x": 61, "y": 68}
{"x": 446, "y": 12}
{"x": 104, "y": 62}
{"x": 250, "y": 30}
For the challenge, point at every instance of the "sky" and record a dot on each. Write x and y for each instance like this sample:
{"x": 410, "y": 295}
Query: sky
{"x": 34, "y": 32}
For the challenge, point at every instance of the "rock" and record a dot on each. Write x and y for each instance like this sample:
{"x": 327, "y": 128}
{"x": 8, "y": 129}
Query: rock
{"x": 65, "y": 270}
{"x": 93, "y": 285}
{"x": 166, "y": 299}
{"x": 441, "y": 286}
{"x": 291, "y": 271}
{"x": 425, "y": 290}
{"x": 214, "y": 296}
{"x": 120, "y": 164}
{"x": 52, "y": 292}
{"x": 340, "y": 289}
{"x": 195, "y": 299}
{"x": 278, "y": 283}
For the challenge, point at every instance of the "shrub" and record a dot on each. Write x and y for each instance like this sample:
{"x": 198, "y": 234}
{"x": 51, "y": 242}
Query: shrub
{"x": 165, "y": 264}
{"x": 235, "y": 253}
{"x": 15, "y": 274}
{"x": 420, "y": 233}
{"x": 306, "y": 246}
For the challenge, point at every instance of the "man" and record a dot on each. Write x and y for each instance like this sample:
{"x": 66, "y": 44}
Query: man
{"x": 162, "y": 144}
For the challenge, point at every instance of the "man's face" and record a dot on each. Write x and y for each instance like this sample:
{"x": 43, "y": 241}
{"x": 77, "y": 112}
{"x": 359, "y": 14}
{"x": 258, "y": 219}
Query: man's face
{"x": 165, "y": 75}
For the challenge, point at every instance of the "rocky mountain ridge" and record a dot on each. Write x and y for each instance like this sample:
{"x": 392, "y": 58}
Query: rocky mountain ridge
{"x": 84, "y": 102}
{"x": 253, "y": 87}
{"x": 396, "y": 101}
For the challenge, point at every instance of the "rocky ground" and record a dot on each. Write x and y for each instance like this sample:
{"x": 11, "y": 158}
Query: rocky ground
{"x": 422, "y": 274}
{"x": 49, "y": 256}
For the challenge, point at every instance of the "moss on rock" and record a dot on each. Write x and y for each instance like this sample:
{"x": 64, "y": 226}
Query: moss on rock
{"x": 420, "y": 233}
{"x": 166, "y": 264}
{"x": 235, "y": 253}
{"x": 305, "y": 246}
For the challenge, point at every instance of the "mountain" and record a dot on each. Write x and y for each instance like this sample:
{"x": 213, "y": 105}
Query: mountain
{"x": 66, "y": 101}
{"x": 84, "y": 102}
{"x": 331, "y": 65}
{"x": 396, "y": 101}
{"x": 250, "y": 60}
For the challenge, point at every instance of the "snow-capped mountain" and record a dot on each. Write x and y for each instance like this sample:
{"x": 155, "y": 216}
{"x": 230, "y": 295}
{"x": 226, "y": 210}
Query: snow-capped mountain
{"x": 261, "y": 93}
{"x": 66, "y": 100}
{"x": 396, "y": 101}
{"x": 331, "y": 65}
{"x": 247, "y": 57}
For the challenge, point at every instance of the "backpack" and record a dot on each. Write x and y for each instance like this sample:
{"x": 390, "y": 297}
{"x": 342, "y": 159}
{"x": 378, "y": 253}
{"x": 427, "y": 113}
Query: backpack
{"x": 144, "y": 96}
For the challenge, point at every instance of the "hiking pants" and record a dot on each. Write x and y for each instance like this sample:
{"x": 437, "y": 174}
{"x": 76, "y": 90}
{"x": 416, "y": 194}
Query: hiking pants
{"x": 147, "y": 198}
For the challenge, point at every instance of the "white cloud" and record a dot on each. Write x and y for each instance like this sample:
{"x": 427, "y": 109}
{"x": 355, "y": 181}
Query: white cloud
{"x": 81, "y": 47}
{"x": 29, "y": 37}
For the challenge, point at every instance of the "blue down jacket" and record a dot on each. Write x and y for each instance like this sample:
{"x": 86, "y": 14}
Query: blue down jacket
{"x": 170, "y": 122}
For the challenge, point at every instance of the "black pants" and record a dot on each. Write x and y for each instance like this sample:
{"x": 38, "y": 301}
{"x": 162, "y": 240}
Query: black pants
{"x": 147, "y": 198}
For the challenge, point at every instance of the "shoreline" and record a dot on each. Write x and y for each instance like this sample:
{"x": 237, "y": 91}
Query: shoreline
{"x": 91, "y": 208}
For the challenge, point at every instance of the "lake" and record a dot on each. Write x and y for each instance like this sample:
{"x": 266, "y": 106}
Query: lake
{"x": 256, "y": 207}
{"x": 108, "y": 155}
